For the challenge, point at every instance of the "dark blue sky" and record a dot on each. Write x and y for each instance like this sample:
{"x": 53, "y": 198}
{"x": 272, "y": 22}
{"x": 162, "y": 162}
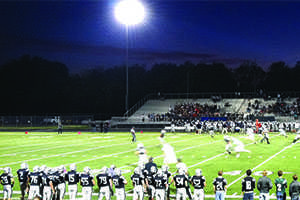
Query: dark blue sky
{"x": 85, "y": 34}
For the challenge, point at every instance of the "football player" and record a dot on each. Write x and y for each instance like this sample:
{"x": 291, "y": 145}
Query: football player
{"x": 180, "y": 181}
{"x": 87, "y": 182}
{"x": 138, "y": 184}
{"x": 282, "y": 132}
{"x": 181, "y": 165}
{"x": 265, "y": 135}
{"x": 7, "y": 180}
{"x": 61, "y": 187}
{"x": 142, "y": 153}
{"x": 169, "y": 154}
{"x": 72, "y": 177}
{"x": 119, "y": 181}
{"x": 248, "y": 185}
{"x": 167, "y": 174}
{"x": 296, "y": 139}
{"x": 47, "y": 184}
{"x": 149, "y": 177}
{"x": 104, "y": 183}
{"x": 160, "y": 184}
{"x": 233, "y": 144}
{"x": 35, "y": 182}
{"x": 132, "y": 131}
{"x": 220, "y": 186}
{"x": 162, "y": 135}
{"x": 198, "y": 182}
{"x": 23, "y": 179}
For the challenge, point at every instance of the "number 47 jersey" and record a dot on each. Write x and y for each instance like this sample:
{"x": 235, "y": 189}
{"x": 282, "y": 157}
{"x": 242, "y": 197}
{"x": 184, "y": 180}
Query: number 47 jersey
{"x": 248, "y": 184}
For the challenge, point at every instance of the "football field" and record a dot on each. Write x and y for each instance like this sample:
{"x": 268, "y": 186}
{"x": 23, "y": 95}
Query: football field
{"x": 196, "y": 151}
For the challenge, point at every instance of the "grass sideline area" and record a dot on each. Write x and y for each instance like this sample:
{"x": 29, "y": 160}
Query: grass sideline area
{"x": 197, "y": 151}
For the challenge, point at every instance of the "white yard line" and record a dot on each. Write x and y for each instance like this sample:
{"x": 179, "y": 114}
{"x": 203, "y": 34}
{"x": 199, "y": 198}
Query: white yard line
{"x": 270, "y": 158}
{"x": 54, "y": 147}
{"x": 62, "y": 154}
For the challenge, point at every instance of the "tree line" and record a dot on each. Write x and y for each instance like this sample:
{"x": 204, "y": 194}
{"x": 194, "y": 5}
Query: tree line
{"x": 33, "y": 85}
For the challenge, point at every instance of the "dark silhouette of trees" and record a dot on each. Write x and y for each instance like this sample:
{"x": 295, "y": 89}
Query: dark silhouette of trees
{"x": 33, "y": 85}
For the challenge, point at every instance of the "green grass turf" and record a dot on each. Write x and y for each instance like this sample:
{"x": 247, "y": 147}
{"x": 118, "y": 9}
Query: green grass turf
{"x": 97, "y": 150}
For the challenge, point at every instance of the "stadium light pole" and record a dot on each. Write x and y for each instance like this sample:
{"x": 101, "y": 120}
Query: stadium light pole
{"x": 129, "y": 13}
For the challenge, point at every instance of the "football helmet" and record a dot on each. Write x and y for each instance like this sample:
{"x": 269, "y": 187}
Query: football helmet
{"x": 118, "y": 171}
{"x": 180, "y": 171}
{"x": 137, "y": 170}
{"x": 87, "y": 170}
{"x": 36, "y": 168}
{"x": 198, "y": 172}
{"x": 73, "y": 166}
{"x": 6, "y": 170}
{"x": 104, "y": 170}
{"x": 159, "y": 172}
{"x": 24, "y": 166}
{"x": 153, "y": 170}
{"x": 165, "y": 168}
{"x": 43, "y": 168}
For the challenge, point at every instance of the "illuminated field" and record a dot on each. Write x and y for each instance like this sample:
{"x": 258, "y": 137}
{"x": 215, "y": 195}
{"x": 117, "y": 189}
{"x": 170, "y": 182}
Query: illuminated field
{"x": 97, "y": 150}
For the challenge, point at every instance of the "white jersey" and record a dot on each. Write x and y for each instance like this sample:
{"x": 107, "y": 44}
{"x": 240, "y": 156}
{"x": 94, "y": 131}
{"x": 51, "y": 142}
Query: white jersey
{"x": 238, "y": 145}
{"x": 170, "y": 156}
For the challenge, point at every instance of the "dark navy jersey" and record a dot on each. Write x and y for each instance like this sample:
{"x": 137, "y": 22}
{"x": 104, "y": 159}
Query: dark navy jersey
{"x": 160, "y": 182}
{"x": 6, "y": 179}
{"x": 198, "y": 182}
{"x": 180, "y": 181}
{"x": 103, "y": 180}
{"x": 35, "y": 179}
{"x": 150, "y": 179}
{"x": 220, "y": 183}
{"x": 248, "y": 184}
{"x": 45, "y": 180}
{"x": 60, "y": 178}
{"x": 72, "y": 177}
{"x": 137, "y": 179}
{"x": 86, "y": 180}
{"x": 54, "y": 179}
{"x": 118, "y": 181}
{"x": 23, "y": 175}
{"x": 149, "y": 165}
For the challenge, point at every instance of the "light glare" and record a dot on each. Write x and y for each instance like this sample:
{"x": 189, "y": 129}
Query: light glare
{"x": 130, "y": 12}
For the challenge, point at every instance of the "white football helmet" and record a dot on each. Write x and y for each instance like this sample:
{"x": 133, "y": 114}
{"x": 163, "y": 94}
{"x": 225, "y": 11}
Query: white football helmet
{"x": 180, "y": 171}
{"x": 43, "y": 168}
{"x": 153, "y": 170}
{"x": 118, "y": 172}
{"x": 159, "y": 172}
{"x": 137, "y": 170}
{"x": 61, "y": 168}
{"x": 104, "y": 170}
{"x": 6, "y": 170}
{"x": 165, "y": 168}
{"x": 24, "y": 166}
{"x": 36, "y": 168}
{"x": 198, "y": 172}
{"x": 73, "y": 167}
{"x": 87, "y": 170}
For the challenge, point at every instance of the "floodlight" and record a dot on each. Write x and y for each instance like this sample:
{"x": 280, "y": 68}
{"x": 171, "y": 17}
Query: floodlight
{"x": 129, "y": 12}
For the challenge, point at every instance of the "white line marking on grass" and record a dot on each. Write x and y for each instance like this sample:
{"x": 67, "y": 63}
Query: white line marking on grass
{"x": 270, "y": 158}
{"x": 54, "y": 147}
{"x": 17, "y": 162}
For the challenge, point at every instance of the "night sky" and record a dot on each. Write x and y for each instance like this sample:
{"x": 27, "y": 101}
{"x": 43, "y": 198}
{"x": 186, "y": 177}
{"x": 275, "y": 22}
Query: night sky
{"x": 85, "y": 34}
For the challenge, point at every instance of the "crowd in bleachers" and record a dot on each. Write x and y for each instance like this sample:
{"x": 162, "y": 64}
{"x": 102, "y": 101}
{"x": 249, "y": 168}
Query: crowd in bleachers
{"x": 281, "y": 108}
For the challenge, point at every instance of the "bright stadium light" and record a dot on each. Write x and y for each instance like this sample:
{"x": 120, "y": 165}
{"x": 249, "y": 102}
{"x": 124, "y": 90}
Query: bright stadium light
{"x": 130, "y": 12}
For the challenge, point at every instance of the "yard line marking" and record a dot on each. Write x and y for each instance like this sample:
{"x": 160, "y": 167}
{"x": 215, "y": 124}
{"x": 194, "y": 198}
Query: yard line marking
{"x": 270, "y": 158}
{"x": 54, "y": 147}
{"x": 30, "y": 145}
{"x": 65, "y": 153}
